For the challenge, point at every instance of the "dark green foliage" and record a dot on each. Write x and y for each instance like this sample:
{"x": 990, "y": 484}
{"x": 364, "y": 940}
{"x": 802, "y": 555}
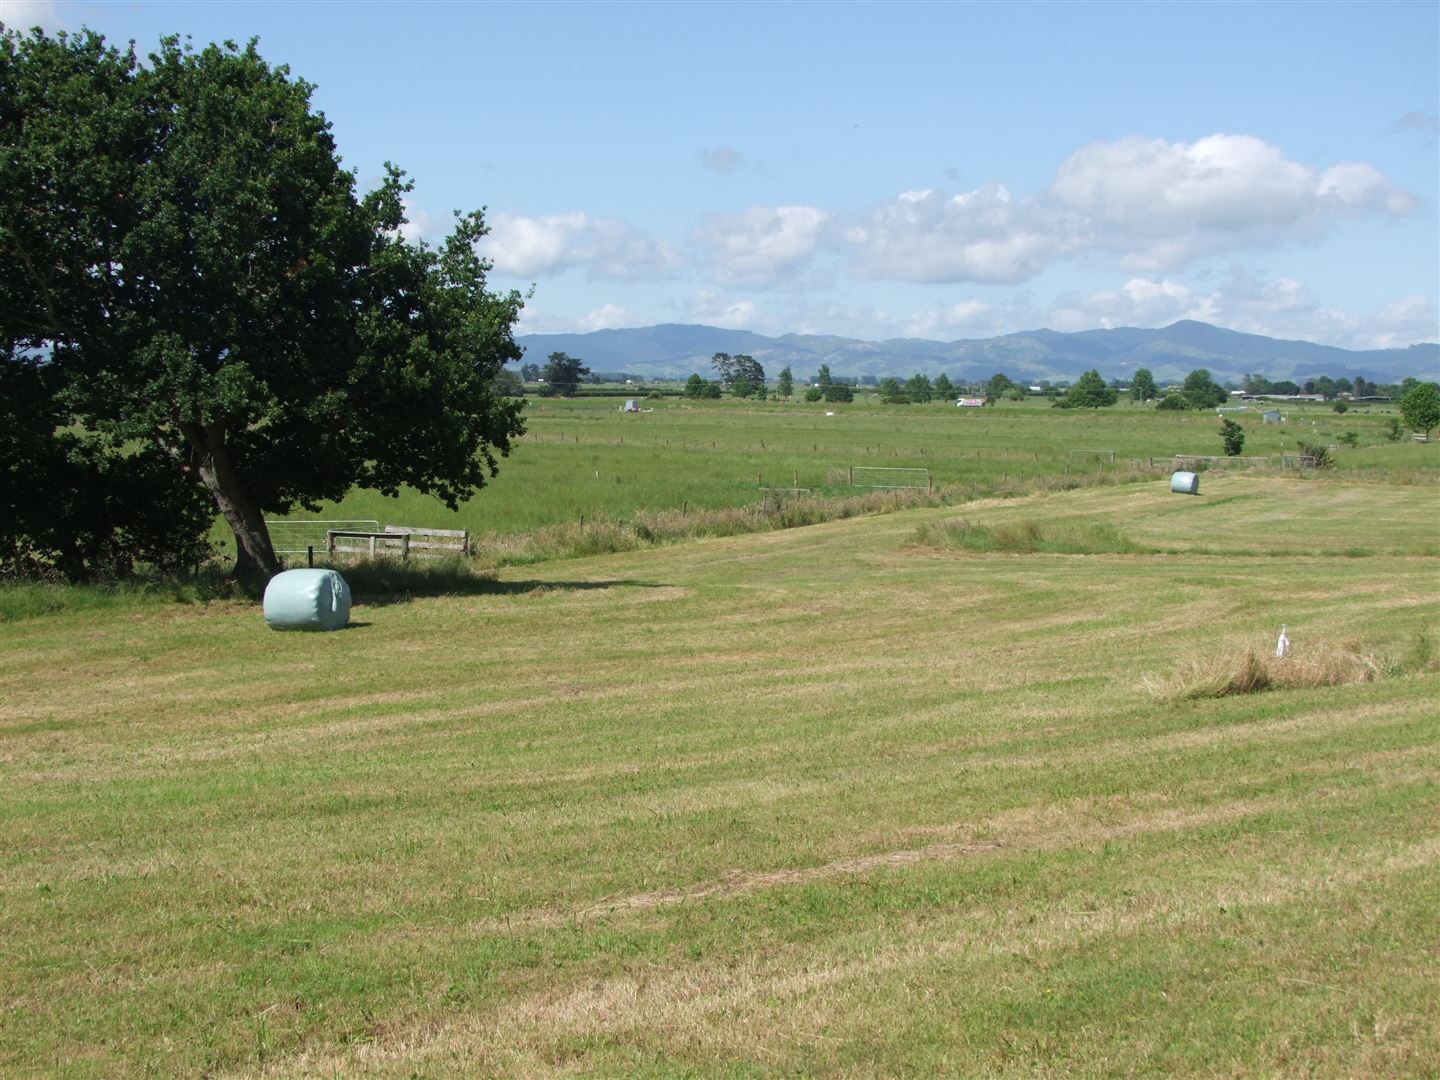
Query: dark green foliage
{"x": 1089, "y": 392}
{"x": 749, "y": 369}
{"x": 1350, "y": 439}
{"x": 998, "y": 384}
{"x": 1233, "y": 436}
{"x": 1420, "y": 407}
{"x": 918, "y": 388}
{"x": 785, "y": 383}
{"x": 1142, "y": 386}
{"x": 699, "y": 389}
{"x": 562, "y": 375}
{"x": 892, "y": 393}
{"x": 75, "y": 505}
{"x": 1173, "y": 402}
{"x": 181, "y": 237}
{"x": 742, "y": 388}
{"x": 1202, "y": 391}
{"x": 1315, "y": 456}
{"x": 836, "y": 393}
{"x": 814, "y": 393}
{"x": 823, "y": 378}
{"x": 944, "y": 388}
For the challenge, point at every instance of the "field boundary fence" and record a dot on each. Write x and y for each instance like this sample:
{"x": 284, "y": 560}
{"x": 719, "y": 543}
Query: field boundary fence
{"x": 875, "y": 476}
{"x": 297, "y": 537}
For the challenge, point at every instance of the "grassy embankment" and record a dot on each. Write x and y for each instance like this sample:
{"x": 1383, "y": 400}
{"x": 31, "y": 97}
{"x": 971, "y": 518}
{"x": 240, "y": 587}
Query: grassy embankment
{"x": 841, "y": 799}
{"x": 584, "y": 458}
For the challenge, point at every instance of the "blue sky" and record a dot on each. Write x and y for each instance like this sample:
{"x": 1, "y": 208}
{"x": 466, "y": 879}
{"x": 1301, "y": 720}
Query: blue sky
{"x": 928, "y": 170}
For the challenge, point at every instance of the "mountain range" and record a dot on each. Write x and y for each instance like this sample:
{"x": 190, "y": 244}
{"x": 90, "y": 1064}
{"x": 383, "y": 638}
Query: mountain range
{"x": 675, "y": 350}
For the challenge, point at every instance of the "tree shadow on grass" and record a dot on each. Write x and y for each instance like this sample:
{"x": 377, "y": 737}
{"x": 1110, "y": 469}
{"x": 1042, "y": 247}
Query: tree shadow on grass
{"x": 493, "y": 587}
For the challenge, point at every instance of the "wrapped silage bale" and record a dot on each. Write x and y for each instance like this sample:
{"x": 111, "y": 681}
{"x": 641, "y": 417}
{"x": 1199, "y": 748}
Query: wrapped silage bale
{"x": 307, "y": 600}
{"x": 1185, "y": 483}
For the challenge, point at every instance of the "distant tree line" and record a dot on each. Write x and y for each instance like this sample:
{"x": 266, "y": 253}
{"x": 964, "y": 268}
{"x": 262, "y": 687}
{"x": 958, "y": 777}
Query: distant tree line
{"x": 742, "y": 376}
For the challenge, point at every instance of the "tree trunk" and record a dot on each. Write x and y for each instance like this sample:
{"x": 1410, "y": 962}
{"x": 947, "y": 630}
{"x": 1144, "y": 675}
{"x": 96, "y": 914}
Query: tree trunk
{"x": 255, "y": 559}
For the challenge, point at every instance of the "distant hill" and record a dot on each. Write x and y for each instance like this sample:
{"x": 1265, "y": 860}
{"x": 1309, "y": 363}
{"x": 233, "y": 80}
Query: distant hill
{"x": 675, "y": 350}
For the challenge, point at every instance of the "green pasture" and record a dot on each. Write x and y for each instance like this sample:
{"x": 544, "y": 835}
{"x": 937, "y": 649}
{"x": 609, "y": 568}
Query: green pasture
{"x": 833, "y": 800}
{"x": 584, "y": 458}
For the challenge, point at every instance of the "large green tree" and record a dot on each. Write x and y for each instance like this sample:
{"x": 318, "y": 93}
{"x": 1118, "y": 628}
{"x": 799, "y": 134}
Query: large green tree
{"x": 182, "y": 253}
{"x": 785, "y": 382}
{"x": 1089, "y": 392}
{"x": 918, "y": 388}
{"x": 1142, "y": 386}
{"x": 1420, "y": 407}
{"x": 1202, "y": 391}
{"x": 562, "y": 374}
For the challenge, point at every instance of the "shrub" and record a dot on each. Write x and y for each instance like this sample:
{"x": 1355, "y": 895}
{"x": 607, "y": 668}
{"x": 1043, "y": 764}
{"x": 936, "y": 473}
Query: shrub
{"x": 1316, "y": 456}
{"x": 814, "y": 394}
{"x": 1233, "y": 436}
{"x": 1340, "y": 407}
{"x": 1173, "y": 403}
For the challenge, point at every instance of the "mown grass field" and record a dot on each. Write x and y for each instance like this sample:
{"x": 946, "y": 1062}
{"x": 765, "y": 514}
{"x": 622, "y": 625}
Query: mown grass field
{"x": 584, "y": 458}
{"x": 824, "y": 801}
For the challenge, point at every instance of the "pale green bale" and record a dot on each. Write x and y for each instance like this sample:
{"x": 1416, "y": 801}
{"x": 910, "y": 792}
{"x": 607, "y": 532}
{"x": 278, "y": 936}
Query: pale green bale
{"x": 307, "y": 600}
{"x": 1185, "y": 483}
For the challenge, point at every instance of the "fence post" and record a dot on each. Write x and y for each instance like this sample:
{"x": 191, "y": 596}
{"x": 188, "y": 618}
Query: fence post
{"x": 310, "y": 556}
{"x": 852, "y": 475}
{"x": 405, "y": 548}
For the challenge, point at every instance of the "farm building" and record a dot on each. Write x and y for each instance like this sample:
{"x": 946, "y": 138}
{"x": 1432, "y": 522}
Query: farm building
{"x": 1272, "y": 416}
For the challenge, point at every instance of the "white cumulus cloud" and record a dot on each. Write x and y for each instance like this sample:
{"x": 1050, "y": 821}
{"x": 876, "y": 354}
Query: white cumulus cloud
{"x": 930, "y": 236}
{"x": 762, "y": 245}
{"x": 1162, "y": 205}
{"x": 417, "y": 224}
{"x": 23, "y": 14}
{"x": 610, "y": 317}
{"x": 713, "y": 309}
{"x": 965, "y": 317}
{"x": 603, "y": 247}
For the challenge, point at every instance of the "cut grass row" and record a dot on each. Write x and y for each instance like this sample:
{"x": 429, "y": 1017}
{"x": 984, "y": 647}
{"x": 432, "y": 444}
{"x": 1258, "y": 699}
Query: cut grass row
{"x": 814, "y": 801}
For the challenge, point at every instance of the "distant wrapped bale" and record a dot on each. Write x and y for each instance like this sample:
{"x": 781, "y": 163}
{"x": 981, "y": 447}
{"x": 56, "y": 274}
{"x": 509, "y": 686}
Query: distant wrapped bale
{"x": 1185, "y": 483}
{"x": 307, "y": 600}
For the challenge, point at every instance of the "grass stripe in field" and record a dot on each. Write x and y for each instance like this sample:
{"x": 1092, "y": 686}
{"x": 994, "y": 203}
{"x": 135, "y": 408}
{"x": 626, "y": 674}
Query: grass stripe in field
{"x": 813, "y": 802}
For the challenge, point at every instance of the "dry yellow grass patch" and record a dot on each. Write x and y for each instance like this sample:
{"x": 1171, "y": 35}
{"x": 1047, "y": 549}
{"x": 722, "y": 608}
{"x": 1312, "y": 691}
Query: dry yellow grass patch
{"x": 1251, "y": 671}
